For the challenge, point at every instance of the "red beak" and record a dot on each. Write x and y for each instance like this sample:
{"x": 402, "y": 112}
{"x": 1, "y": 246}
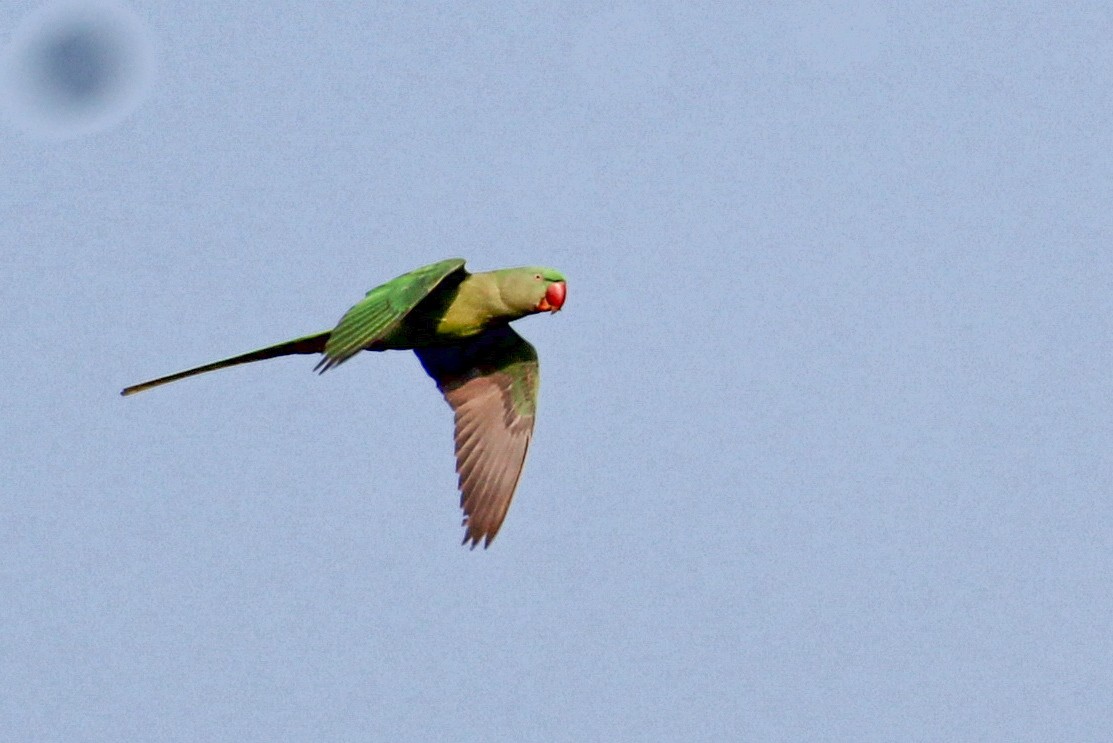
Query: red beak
{"x": 554, "y": 297}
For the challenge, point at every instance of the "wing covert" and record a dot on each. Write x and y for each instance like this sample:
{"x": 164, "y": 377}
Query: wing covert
{"x": 382, "y": 309}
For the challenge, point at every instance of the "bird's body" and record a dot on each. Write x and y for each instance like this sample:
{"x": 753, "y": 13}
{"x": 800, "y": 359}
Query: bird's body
{"x": 458, "y": 325}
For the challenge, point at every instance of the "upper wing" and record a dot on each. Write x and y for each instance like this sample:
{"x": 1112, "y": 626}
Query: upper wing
{"x": 382, "y": 309}
{"x": 491, "y": 382}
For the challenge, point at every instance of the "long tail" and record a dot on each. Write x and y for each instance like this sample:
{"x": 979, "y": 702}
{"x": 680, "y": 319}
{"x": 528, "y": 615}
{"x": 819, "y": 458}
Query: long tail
{"x": 305, "y": 344}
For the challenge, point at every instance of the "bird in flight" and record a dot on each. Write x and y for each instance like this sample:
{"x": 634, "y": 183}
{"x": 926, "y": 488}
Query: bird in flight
{"x": 458, "y": 324}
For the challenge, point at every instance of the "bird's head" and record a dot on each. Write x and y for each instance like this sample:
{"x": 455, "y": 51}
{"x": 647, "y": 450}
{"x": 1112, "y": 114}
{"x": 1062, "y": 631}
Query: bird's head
{"x": 532, "y": 289}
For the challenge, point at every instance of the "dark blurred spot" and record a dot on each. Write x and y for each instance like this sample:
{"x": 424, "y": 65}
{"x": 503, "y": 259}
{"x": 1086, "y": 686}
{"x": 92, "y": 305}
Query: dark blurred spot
{"x": 75, "y": 67}
{"x": 79, "y": 65}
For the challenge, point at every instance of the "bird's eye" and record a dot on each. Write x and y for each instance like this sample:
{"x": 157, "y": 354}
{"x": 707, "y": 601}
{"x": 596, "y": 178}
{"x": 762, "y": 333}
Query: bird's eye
{"x": 537, "y": 276}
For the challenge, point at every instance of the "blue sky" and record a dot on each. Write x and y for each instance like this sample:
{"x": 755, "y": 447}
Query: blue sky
{"x": 824, "y": 444}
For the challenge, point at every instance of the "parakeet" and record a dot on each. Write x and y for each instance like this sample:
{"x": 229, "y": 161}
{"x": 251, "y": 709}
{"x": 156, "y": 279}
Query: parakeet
{"x": 458, "y": 324}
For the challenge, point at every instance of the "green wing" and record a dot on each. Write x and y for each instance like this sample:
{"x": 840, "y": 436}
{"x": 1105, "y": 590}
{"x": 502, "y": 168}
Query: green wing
{"x": 491, "y": 382}
{"x": 383, "y": 309}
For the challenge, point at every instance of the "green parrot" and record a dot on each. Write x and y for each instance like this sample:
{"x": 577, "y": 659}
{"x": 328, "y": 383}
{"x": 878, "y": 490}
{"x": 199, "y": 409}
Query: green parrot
{"x": 458, "y": 324}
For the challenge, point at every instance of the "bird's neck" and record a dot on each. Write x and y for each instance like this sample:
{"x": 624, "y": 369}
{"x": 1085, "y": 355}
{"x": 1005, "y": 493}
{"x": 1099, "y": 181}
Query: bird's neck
{"x": 476, "y": 305}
